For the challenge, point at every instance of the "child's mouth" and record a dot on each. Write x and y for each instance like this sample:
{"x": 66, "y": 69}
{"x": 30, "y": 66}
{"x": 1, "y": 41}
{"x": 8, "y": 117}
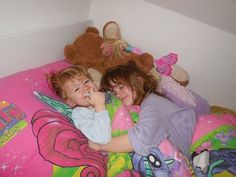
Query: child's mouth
{"x": 88, "y": 95}
{"x": 122, "y": 99}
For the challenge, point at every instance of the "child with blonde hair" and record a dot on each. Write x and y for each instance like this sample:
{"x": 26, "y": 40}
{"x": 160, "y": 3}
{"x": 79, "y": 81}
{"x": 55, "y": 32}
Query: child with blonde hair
{"x": 75, "y": 86}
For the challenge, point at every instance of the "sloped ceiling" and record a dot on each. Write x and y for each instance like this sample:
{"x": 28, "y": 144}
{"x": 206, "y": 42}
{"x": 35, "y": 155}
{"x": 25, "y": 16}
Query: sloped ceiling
{"x": 218, "y": 13}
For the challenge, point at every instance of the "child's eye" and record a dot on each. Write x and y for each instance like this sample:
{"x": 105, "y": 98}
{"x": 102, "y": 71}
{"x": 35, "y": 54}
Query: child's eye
{"x": 121, "y": 86}
{"x": 86, "y": 81}
{"x": 76, "y": 89}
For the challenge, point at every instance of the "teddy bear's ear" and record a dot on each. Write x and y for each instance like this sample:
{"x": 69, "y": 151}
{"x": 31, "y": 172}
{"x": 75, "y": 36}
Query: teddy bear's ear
{"x": 70, "y": 51}
{"x": 92, "y": 30}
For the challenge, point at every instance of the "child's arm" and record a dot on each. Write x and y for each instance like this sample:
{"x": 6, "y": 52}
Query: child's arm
{"x": 95, "y": 126}
{"x": 117, "y": 144}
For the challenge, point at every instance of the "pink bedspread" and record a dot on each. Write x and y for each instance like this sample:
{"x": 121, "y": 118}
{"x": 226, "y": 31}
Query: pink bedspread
{"x": 19, "y": 148}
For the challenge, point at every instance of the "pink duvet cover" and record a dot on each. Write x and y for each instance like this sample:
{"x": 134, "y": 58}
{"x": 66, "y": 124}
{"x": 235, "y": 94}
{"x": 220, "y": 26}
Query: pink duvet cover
{"x": 19, "y": 152}
{"x": 34, "y": 138}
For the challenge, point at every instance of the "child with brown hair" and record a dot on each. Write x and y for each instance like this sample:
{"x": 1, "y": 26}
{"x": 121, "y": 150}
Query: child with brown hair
{"x": 159, "y": 118}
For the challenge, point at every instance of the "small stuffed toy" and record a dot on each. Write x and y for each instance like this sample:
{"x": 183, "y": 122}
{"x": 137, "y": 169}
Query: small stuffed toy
{"x": 113, "y": 43}
{"x": 92, "y": 50}
{"x": 166, "y": 65}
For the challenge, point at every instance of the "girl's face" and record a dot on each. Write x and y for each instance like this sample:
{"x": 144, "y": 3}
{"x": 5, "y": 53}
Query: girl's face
{"x": 124, "y": 93}
{"x": 77, "y": 91}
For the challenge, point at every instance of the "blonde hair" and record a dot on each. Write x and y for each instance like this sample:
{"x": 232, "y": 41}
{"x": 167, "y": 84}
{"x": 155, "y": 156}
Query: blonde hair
{"x": 58, "y": 79}
{"x": 130, "y": 75}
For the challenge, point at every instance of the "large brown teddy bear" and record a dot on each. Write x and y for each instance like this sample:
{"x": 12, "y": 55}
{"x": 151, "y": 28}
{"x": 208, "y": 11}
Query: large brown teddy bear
{"x": 87, "y": 51}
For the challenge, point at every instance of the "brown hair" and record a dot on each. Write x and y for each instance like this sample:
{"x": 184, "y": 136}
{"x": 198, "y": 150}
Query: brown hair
{"x": 129, "y": 75}
{"x": 58, "y": 79}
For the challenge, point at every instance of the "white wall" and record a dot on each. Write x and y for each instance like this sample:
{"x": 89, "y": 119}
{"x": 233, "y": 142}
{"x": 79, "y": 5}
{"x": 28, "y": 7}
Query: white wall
{"x": 25, "y": 15}
{"x": 218, "y": 13}
{"x": 36, "y": 48}
{"x": 207, "y": 53}
{"x": 33, "y": 33}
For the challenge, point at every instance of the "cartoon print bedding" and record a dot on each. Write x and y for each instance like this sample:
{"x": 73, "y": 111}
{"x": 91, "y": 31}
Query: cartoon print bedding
{"x": 214, "y": 146}
{"x": 19, "y": 154}
{"x": 163, "y": 160}
{"x": 36, "y": 140}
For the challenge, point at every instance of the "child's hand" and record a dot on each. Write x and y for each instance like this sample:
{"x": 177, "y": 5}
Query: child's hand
{"x": 94, "y": 146}
{"x": 97, "y": 99}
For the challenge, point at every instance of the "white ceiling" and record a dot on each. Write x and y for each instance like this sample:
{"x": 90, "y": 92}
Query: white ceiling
{"x": 218, "y": 13}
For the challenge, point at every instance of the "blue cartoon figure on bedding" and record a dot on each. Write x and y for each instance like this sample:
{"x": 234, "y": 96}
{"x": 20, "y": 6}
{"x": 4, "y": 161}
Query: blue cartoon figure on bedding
{"x": 152, "y": 165}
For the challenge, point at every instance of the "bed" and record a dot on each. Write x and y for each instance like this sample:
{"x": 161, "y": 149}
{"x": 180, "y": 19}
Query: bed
{"x": 37, "y": 140}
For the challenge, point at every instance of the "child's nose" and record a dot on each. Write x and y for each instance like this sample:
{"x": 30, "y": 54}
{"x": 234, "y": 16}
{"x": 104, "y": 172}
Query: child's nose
{"x": 117, "y": 93}
{"x": 84, "y": 88}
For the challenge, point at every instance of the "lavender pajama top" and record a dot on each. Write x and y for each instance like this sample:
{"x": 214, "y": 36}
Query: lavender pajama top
{"x": 160, "y": 119}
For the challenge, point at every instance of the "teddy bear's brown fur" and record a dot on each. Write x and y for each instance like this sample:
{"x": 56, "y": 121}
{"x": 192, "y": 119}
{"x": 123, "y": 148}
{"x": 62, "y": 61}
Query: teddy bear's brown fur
{"x": 86, "y": 51}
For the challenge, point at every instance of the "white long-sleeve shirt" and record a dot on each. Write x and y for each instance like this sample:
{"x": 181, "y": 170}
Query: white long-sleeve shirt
{"x": 96, "y": 126}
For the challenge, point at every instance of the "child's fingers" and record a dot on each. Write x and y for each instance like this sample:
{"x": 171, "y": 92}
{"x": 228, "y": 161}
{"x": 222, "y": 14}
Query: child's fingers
{"x": 88, "y": 99}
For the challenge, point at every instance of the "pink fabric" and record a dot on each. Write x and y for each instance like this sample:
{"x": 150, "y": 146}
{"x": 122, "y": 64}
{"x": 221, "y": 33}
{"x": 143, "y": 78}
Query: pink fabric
{"x": 181, "y": 167}
{"x": 48, "y": 138}
{"x": 164, "y": 64}
{"x": 18, "y": 153}
{"x": 62, "y": 144}
{"x": 128, "y": 174}
{"x": 122, "y": 120}
{"x": 210, "y": 122}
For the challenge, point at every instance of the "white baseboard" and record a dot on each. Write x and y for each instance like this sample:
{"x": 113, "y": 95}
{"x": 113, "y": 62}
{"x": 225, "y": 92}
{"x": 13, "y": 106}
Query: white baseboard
{"x": 34, "y": 48}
